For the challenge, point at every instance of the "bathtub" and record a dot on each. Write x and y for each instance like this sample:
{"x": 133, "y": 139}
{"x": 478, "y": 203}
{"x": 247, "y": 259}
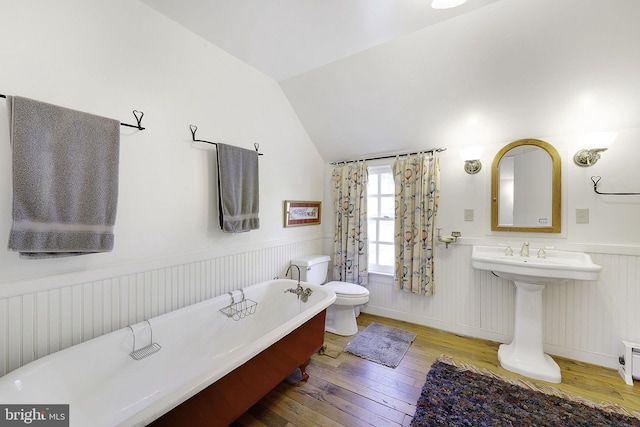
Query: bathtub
{"x": 201, "y": 351}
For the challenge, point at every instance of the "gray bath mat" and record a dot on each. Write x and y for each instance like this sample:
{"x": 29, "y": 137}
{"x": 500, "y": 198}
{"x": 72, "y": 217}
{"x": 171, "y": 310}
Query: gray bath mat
{"x": 381, "y": 344}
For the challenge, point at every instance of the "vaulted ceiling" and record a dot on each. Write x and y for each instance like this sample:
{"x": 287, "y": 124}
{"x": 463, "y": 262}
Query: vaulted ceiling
{"x": 382, "y": 76}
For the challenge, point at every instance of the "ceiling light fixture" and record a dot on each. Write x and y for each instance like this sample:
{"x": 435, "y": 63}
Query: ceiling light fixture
{"x": 446, "y": 4}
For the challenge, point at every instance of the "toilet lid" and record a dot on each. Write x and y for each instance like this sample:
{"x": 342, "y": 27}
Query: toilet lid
{"x": 347, "y": 289}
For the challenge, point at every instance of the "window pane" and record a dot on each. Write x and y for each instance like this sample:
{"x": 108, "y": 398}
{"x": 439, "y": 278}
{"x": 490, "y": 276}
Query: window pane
{"x": 372, "y": 207}
{"x": 386, "y": 231}
{"x": 386, "y": 255}
{"x": 386, "y": 182}
{"x": 372, "y": 186}
{"x": 387, "y": 207}
{"x": 381, "y": 211}
{"x": 373, "y": 234}
{"x": 373, "y": 255}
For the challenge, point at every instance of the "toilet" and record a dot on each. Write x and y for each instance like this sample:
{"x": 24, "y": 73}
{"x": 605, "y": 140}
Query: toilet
{"x": 341, "y": 315}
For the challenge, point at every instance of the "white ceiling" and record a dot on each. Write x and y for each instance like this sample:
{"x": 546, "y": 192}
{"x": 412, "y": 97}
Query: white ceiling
{"x": 383, "y": 76}
{"x": 285, "y": 38}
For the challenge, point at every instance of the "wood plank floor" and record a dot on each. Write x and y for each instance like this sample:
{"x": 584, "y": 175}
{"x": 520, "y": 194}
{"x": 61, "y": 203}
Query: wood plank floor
{"x": 345, "y": 390}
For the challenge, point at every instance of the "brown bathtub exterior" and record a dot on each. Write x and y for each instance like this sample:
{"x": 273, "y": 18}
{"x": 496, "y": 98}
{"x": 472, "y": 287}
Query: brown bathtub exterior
{"x": 231, "y": 396}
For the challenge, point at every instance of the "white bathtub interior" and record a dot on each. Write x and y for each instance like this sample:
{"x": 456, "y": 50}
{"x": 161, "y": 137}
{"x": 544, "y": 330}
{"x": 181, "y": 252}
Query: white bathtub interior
{"x": 199, "y": 345}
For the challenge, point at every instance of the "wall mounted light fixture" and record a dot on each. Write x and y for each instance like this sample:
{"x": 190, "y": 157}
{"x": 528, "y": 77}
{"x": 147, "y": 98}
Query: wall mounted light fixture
{"x": 446, "y": 4}
{"x": 471, "y": 157}
{"x": 587, "y": 157}
{"x": 596, "y": 143}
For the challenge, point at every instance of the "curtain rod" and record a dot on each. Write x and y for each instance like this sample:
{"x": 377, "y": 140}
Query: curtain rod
{"x": 390, "y": 156}
{"x": 137, "y": 114}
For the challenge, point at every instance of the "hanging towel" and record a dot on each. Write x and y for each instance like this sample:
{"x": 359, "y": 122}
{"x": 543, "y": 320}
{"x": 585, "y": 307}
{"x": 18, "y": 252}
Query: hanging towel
{"x": 65, "y": 180}
{"x": 238, "y": 193}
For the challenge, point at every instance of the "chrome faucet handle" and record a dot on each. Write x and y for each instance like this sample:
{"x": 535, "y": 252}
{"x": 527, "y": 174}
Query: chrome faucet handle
{"x": 542, "y": 253}
{"x": 508, "y": 251}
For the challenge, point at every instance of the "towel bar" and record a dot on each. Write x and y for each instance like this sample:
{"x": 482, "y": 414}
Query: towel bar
{"x": 194, "y": 128}
{"x": 138, "y": 117}
{"x": 596, "y": 180}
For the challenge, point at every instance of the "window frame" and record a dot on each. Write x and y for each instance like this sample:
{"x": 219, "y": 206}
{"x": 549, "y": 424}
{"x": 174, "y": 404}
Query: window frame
{"x": 374, "y": 264}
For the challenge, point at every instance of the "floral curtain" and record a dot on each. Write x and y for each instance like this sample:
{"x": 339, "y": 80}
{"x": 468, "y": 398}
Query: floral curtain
{"x": 417, "y": 188}
{"x": 350, "y": 261}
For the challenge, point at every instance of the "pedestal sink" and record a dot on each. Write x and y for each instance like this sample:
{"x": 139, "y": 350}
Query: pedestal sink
{"x": 530, "y": 274}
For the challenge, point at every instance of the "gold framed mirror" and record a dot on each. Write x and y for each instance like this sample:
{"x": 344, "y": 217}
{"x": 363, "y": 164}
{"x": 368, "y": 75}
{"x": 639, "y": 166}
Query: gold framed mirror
{"x": 526, "y": 185}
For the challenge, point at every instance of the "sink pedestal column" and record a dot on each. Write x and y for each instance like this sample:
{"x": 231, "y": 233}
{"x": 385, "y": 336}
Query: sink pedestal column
{"x": 525, "y": 355}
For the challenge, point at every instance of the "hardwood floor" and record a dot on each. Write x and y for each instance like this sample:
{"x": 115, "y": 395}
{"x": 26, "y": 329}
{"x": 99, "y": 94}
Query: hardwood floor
{"x": 345, "y": 390}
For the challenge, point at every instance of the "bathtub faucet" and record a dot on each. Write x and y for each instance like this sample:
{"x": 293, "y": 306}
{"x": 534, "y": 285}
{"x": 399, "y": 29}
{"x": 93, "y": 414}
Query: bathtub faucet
{"x": 287, "y": 272}
{"x": 303, "y": 294}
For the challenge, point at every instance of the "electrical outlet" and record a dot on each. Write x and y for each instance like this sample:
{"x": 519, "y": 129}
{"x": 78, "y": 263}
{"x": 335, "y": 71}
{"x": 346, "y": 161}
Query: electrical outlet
{"x": 468, "y": 214}
{"x": 582, "y": 216}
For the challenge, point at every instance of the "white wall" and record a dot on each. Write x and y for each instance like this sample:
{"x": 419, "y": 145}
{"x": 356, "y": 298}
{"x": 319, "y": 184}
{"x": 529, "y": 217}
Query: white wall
{"x": 111, "y": 57}
{"x": 583, "y": 320}
{"x": 108, "y": 58}
{"x": 613, "y": 219}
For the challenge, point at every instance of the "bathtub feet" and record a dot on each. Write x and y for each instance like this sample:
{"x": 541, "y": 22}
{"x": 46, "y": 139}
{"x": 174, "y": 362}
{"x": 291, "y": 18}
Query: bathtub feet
{"x": 303, "y": 369}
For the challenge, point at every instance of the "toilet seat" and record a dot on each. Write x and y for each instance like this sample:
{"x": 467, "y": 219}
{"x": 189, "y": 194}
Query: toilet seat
{"x": 348, "y": 293}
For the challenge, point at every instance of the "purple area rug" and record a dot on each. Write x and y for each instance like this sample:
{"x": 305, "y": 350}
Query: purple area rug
{"x": 459, "y": 394}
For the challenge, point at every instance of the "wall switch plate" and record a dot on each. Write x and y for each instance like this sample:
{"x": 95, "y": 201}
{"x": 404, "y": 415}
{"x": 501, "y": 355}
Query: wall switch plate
{"x": 582, "y": 216}
{"x": 468, "y": 214}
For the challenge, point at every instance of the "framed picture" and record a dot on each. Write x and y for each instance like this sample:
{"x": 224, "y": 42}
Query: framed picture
{"x": 298, "y": 212}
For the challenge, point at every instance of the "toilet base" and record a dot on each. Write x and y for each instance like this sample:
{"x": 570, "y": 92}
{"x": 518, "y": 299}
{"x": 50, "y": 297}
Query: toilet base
{"x": 341, "y": 320}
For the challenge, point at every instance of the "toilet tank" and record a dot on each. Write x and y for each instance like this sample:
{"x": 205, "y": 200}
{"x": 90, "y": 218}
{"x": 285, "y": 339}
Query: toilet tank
{"x": 313, "y": 268}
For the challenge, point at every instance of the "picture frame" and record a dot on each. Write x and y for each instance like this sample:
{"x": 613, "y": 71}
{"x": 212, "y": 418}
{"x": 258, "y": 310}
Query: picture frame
{"x": 300, "y": 212}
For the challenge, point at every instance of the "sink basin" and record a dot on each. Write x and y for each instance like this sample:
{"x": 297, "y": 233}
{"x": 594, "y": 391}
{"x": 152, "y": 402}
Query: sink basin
{"x": 557, "y": 266}
{"x": 525, "y": 355}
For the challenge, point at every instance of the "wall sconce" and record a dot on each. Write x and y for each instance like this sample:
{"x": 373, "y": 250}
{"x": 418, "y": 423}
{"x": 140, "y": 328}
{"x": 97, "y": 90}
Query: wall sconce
{"x": 446, "y": 4}
{"x": 471, "y": 157}
{"x": 589, "y": 156}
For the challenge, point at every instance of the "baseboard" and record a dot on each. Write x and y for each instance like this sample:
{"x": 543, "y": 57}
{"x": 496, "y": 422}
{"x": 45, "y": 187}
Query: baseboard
{"x": 582, "y": 356}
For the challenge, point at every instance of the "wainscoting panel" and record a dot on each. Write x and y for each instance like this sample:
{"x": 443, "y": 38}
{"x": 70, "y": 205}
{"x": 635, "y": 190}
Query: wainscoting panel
{"x": 35, "y": 324}
{"x": 584, "y": 320}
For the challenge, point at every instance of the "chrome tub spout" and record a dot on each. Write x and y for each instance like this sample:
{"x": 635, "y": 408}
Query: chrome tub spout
{"x": 287, "y": 272}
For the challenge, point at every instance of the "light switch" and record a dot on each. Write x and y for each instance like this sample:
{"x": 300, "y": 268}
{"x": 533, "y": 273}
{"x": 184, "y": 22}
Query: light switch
{"x": 468, "y": 214}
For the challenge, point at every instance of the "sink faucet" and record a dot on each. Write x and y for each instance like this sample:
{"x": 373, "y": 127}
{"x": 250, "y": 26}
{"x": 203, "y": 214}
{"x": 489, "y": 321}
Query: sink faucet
{"x": 525, "y": 249}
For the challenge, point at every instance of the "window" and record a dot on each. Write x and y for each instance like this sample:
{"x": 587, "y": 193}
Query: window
{"x": 380, "y": 217}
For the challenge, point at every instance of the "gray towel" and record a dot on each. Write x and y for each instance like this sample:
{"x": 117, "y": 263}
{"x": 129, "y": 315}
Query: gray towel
{"x": 238, "y": 193}
{"x": 65, "y": 180}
